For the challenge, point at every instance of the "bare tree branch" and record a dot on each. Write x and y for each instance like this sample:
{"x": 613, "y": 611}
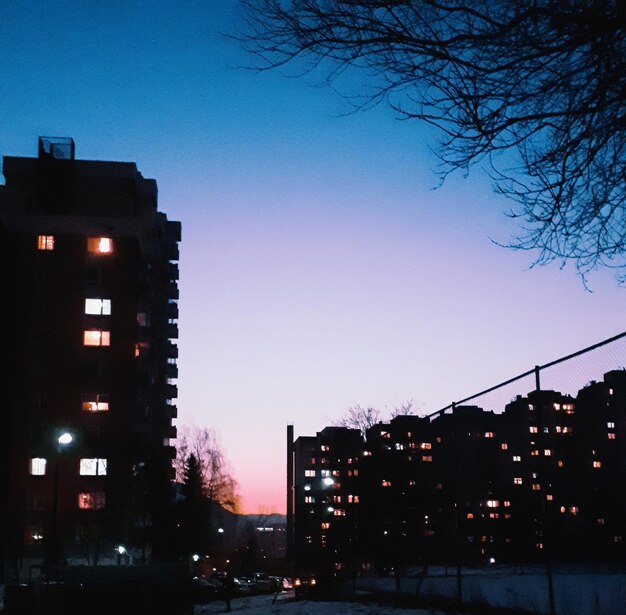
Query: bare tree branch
{"x": 533, "y": 90}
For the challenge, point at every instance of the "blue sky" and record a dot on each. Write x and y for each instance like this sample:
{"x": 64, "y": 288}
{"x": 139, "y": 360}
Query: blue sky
{"x": 319, "y": 268}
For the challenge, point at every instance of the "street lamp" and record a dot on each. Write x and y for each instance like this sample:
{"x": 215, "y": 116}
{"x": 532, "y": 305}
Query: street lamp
{"x": 64, "y": 439}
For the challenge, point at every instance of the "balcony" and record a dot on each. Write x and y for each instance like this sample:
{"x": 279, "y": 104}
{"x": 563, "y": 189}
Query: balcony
{"x": 172, "y": 271}
{"x": 170, "y": 432}
{"x": 172, "y": 331}
{"x": 172, "y": 350}
{"x": 171, "y": 451}
{"x": 172, "y": 251}
{"x": 171, "y": 391}
{"x": 171, "y": 411}
{"x": 172, "y": 310}
{"x": 171, "y": 370}
{"x": 172, "y": 290}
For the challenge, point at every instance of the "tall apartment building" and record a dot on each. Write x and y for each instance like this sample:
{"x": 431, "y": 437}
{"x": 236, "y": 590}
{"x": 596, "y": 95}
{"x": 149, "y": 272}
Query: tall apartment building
{"x": 88, "y": 312}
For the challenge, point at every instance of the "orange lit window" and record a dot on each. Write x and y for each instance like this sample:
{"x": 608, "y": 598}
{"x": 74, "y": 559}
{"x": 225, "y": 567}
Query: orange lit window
{"x": 91, "y": 500}
{"x": 536, "y": 487}
{"x": 96, "y": 403}
{"x": 470, "y": 515}
{"x": 427, "y": 458}
{"x": 426, "y": 446}
{"x": 97, "y": 338}
{"x": 597, "y": 464}
{"x": 99, "y": 245}
{"x": 45, "y": 242}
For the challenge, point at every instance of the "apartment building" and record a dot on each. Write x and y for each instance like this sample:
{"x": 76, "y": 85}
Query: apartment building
{"x": 89, "y": 322}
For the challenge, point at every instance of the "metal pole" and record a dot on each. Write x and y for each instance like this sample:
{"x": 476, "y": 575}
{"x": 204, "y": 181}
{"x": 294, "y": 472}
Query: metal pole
{"x": 457, "y": 507}
{"x": 546, "y": 511}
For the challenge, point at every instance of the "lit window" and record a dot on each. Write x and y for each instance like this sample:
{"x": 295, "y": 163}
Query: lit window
{"x": 399, "y": 446}
{"x": 610, "y": 391}
{"x": 386, "y": 483}
{"x": 534, "y": 453}
{"x": 547, "y": 452}
{"x": 322, "y": 473}
{"x": 96, "y": 403}
{"x": 143, "y": 319}
{"x": 411, "y": 483}
{"x": 559, "y": 429}
{"x": 532, "y": 429}
{"x": 517, "y": 457}
{"x": 504, "y": 446}
{"x": 470, "y": 515}
{"x": 493, "y": 503}
{"x": 37, "y": 466}
{"x": 98, "y": 307}
{"x": 91, "y": 500}
{"x": 597, "y": 464}
{"x": 611, "y": 436}
{"x": 325, "y": 525}
{"x": 611, "y": 425}
{"x": 336, "y": 499}
{"x": 517, "y": 480}
{"x": 338, "y": 512}
{"x": 573, "y": 510}
{"x": 97, "y": 338}
{"x": 309, "y": 499}
{"x": 557, "y": 406}
{"x": 536, "y": 487}
{"x": 559, "y": 463}
{"x": 506, "y": 503}
{"x": 309, "y": 473}
{"x": 99, "y": 245}
{"x": 93, "y": 467}
{"x": 549, "y": 497}
{"x": 427, "y": 458}
{"x": 353, "y": 499}
{"x": 426, "y": 446}
{"x": 489, "y": 434}
{"x": 600, "y": 520}
{"x": 324, "y": 447}
{"x": 45, "y": 242}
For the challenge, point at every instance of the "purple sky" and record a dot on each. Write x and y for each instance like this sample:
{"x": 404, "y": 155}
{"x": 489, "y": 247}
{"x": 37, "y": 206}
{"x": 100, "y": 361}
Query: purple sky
{"x": 319, "y": 269}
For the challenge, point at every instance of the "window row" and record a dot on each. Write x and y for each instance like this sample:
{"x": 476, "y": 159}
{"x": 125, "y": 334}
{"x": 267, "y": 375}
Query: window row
{"x": 95, "y": 245}
{"x": 88, "y": 466}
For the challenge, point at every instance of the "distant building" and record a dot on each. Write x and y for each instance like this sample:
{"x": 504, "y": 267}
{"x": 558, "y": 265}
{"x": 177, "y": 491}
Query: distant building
{"x": 467, "y": 485}
{"x": 88, "y": 313}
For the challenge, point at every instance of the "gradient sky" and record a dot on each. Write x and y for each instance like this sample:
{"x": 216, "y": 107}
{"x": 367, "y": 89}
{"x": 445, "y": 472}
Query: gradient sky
{"x": 319, "y": 268}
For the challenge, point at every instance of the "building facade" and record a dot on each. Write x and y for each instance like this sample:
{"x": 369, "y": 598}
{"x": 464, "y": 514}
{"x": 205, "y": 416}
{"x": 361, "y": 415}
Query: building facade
{"x": 89, "y": 321}
{"x": 467, "y": 486}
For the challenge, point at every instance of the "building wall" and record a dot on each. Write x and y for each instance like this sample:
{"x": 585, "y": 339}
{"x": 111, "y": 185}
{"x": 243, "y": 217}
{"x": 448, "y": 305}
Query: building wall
{"x": 115, "y": 398}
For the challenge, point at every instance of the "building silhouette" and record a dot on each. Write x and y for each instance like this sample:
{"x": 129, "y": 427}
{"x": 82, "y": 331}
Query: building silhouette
{"x": 88, "y": 314}
{"x": 467, "y": 486}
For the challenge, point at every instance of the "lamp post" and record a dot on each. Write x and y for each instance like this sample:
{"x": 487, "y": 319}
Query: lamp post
{"x": 63, "y": 440}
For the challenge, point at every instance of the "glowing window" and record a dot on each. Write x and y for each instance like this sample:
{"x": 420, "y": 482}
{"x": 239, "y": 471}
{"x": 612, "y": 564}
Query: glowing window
{"x": 324, "y": 447}
{"x": 611, "y": 425}
{"x": 532, "y": 429}
{"x": 91, "y": 500}
{"x": 470, "y": 515}
{"x": 37, "y": 466}
{"x": 427, "y": 458}
{"x": 386, "y": 483}
{"x": 517, "y": 457}
{"x": 549, "y": 497}
{"x": 99, "y": 245}
{"x": 597, "y": 464}
{"x": 600, "y": 520}
{"x": 493, "y": 503}
{"x": 96, "y": 403}
{"x": 97, "y": 338}
{"x": 336, "y": 499}
{"x": 309, "y": 499}
{"x": 536, "y": 487}
{"x": 504, "y": 446}
{"x": 489, "y": 434}
{"x": 517, "y": 480}
{"x": 310, "y": 473}
{"x": 573, "y": 510}
{"x": 325, "y": 525}
{"x": 611, "y": 436}
{"x": 426, "y": 446}
{"x": 93, "y": 467}
{"x": 45, "y": 242}
{"x": 98, "y": 307}
{"x": 506, "y": 503}
{"x": 547, "y": 452}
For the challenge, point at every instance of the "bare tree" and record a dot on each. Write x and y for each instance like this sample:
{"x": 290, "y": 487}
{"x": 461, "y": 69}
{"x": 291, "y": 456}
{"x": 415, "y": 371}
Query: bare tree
{"x": 535, "y": 90}
{"x": 357, "y": 417}
{"x": 218, "y": 483}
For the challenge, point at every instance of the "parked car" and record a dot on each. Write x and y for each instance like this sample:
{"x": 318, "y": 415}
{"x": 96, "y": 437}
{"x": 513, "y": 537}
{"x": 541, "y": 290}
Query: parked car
{"x": 304, "y": 584}
{"x": 242, "y": 585}
{"x": 263, "y": 583}
{"x": 204, "y": 590}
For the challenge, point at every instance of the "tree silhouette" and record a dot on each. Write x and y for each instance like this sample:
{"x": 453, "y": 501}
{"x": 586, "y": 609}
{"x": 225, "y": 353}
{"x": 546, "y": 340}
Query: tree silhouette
{"x": 535, "y": 90}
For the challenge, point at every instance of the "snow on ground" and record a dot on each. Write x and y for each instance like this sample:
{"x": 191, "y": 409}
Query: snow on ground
{"x": 286, "y": 605}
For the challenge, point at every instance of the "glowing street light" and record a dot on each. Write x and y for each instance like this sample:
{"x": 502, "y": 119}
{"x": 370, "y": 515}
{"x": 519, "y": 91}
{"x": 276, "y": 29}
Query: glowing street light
{"x": 328, "y": 481}
{"x": 65, "y": 438}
